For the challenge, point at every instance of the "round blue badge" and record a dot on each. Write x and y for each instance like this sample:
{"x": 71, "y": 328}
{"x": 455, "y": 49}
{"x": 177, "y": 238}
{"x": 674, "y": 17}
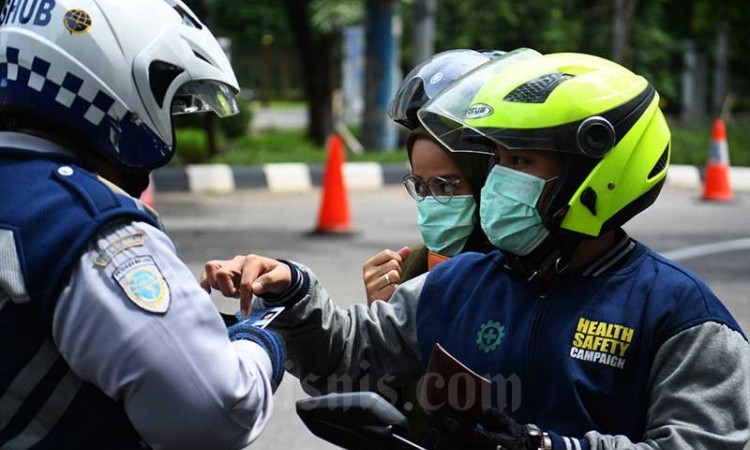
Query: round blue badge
{"x": 146, "y": 285}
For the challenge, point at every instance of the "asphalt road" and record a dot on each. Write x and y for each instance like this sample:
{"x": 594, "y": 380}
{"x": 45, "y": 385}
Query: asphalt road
{"x": 712, "y": 239}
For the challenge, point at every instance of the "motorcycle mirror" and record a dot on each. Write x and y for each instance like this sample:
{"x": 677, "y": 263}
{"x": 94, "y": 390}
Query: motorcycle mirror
{"x": 357, "y": 421}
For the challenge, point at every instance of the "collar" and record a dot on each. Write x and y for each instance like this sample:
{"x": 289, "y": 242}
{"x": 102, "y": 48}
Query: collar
{"x": 612, "y": 259}
{"x": 27, "y": 143}
{"x": 31, "y": 143}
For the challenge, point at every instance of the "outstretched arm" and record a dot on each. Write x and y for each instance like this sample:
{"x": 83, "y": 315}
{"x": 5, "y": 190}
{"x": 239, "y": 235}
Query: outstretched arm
{"x": 328, "y": 347}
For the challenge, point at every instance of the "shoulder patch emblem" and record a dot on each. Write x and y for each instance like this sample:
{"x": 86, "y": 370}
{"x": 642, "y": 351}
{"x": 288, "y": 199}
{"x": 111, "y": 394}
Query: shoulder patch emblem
{"x": 105, "y": 256}
{"x": 144, "y": 284}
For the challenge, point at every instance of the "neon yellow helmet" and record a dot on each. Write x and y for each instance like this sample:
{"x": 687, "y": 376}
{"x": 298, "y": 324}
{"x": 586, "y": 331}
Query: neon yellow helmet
{"x": 602, "y": 116}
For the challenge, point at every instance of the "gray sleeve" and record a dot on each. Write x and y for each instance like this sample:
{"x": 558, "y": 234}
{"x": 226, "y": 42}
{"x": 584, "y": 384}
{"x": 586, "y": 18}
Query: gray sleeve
{"x": 182, "y": 382}
{"x": 700, "y": 394}
{"x": 357, "y": 348}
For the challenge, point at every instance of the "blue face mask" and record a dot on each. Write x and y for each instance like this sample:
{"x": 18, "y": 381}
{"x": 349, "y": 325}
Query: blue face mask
{"x": 508, "y": 211}
{"x": 446, "y": 227}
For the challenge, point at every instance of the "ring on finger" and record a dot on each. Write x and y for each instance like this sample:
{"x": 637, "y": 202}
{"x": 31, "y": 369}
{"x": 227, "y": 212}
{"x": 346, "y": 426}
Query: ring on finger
{"x": 387, "y": 278}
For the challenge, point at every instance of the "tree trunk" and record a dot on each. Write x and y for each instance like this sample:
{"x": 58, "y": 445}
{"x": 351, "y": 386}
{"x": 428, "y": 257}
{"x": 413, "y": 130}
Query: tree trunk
{"x": 720, "y": 70}
{"x": 693, "y": 83}
{"x": 210, "y": 125}
{"x": 424, "y": 30}
{"x": 200, "y": 8}
{"x": 382, "y": 35}
{"x": 624, "y": 12}
{"x": 316, "y": 54}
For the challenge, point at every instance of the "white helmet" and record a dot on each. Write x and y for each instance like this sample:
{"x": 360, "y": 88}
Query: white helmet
{"x": 112, "y": 72}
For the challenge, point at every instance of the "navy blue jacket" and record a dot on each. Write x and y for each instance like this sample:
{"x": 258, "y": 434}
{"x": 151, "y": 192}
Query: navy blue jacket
{"x": 577, "y": 360}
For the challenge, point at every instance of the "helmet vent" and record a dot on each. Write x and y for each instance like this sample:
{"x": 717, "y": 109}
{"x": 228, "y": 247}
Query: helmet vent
{"x": 661, "y": 164}
{"x": 187, "y": 19}
{"x": 537, "y": 91}
{"x": 161, "y": 74}
{"x": 201, "y": 57}
{"x": 588, "y": 199}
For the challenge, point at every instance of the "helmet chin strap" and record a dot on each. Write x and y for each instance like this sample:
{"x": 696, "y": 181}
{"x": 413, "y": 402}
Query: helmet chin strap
{"x": 545, "y": 263}
{"x": 134, "y": 182}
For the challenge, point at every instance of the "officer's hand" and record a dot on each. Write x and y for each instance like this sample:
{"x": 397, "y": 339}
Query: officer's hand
{"x": 494, "y": 430}
{"x": 243, "y": 276}
{"x": 382, "y": 273}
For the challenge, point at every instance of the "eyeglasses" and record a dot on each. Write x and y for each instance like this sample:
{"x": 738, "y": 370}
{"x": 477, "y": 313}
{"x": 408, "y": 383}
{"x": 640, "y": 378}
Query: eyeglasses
{"x": 441, "y": 188}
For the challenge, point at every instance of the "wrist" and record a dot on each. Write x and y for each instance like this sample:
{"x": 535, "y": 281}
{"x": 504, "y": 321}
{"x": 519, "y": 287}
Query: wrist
{"x": 299, "y": 284}
{"x": 538, "y": 439}
{"x": 546, "y": 441}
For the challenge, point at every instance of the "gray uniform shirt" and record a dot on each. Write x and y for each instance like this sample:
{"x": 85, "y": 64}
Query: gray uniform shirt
{"x": 182, "y": 382}
{"x": 700, "y": 378}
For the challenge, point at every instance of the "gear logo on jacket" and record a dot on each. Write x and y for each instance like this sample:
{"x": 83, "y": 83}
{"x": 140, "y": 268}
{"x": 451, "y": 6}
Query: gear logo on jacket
{"x": 490, "y": 336}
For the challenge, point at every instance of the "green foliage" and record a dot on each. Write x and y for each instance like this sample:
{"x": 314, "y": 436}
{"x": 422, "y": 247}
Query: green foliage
{"x": 271, "y": 147}
{"x": 691, "y": 143}
{"x": 248, "y": 25}
{"x": 656, "y": 54}
{"x": 192, "y": 146}
{"x": 654, "y": 47}
{"x": 247, "y": 22}
{"x": 237, "y": 125}
{"x": 279, "y": 104}
{"x": 329, "y": 16}
{"x": 552, "y": 25}
{"x": 291, "y": 146}
{"x": 191, "y": 136}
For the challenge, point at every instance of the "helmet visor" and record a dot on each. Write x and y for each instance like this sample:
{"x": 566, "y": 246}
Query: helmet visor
{"x": 445, "y": 115}
{"x": 428, "y": 79}
{"x": 203, "y": 96}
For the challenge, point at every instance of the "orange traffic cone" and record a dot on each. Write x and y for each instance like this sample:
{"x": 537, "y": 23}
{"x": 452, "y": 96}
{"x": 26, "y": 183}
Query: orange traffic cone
{"x": 147, "y": 196}
{"x": 716, "y": 176}
{"x": 334, "y": 215}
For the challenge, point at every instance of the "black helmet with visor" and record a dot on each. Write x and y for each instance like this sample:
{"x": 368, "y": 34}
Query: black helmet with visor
{"x": 431, "y": 77}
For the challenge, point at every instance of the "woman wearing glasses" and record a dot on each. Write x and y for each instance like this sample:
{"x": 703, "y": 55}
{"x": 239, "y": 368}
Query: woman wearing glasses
{"x": 444, "y": 184}
{"x": 446, "y": 187}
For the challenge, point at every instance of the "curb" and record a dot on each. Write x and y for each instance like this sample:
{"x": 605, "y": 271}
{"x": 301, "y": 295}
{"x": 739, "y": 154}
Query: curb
{"x": 299, "y": 177}
{"x": 691, "y": 177}
{"x": 278, "y": 177}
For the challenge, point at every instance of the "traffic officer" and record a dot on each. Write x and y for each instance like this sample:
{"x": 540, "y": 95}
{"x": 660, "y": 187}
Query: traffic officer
{"x": 106, "y": 338}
